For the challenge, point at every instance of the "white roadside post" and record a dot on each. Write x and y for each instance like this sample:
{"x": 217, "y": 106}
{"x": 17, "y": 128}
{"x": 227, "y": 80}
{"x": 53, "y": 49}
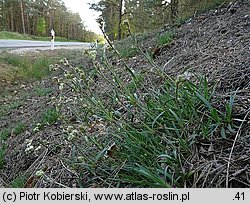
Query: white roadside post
{"x": 52, "y": 34}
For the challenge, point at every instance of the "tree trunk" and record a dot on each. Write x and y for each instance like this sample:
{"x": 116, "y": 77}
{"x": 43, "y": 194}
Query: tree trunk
{"x": 11, "y": 18}
{"x": 2, "y": 16}
{"x": 28, "y": 24}
{"x": 33, "y": 32}
{"x": 120, "y": 20}
{"x": 22, "y": 15}
{"x": 52, "y": 15}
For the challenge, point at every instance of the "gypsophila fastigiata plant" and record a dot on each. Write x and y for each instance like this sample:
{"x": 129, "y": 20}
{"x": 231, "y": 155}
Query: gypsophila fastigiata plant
{"x": 131, "y": 128}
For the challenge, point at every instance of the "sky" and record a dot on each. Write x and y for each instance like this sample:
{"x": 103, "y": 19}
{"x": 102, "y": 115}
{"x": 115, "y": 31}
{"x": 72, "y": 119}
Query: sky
{"x": 87, "y": 15}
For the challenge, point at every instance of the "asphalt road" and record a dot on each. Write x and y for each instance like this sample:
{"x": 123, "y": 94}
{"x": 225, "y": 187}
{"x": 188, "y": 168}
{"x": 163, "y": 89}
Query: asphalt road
{"x": 14, "y": 44}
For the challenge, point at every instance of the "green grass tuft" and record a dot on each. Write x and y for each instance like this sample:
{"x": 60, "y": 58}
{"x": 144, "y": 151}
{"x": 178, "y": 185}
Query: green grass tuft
{"x": 18, "y": 182}
{"x": 28, "y": 68}
{"x": 128, "y": 52}
{"x": 19, "y": 128}
{"x": 165, "y": 38}
{"x": 38, "y": 70}
{"x": 42, "y": 91}
{"x": 49, "y": 117}
{"x": 2, "y": 154}
{"x": 4, "y": 134}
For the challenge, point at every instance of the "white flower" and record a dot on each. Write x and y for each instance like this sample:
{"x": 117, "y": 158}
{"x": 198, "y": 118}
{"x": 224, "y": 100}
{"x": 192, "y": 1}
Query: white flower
{"x": 61, "y": 86}
{"x": 70, "y": 128}
{"x": 51, "y": 67}
{"x": 40, "y": 173}
{"x": 74, "y": 132}
{"x": 56, "y": 67}
{"x": 28, "y": 141}
{"x": 55, "y": 79}
{"x": 71, "y": 137}
{"x": 69, "y": 100}
{"x": 36, "y": 129}
{"x": 77, "y": 69}
{"x": 38, "y": 148}
{"x": 74, "y": 79}
{"x": 64, "y": 61}
{"x": 67, "y": 75}
{"x": 29, "y": 149}
{"x": 86, "y": 138}
{"x": 186, "y": 75}
{"x": 82, "y": 75}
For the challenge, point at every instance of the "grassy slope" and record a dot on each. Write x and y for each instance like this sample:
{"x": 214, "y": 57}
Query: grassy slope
{"x": 22, "y": 81}
{"x": 19, "y": 36}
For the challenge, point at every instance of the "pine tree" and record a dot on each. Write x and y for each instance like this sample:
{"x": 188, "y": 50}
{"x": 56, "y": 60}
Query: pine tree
{"x": 41, "y": 26}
